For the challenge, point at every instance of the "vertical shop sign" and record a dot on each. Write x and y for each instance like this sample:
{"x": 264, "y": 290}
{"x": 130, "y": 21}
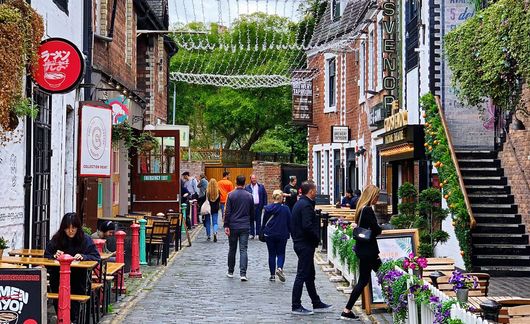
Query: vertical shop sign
{"x": 95, "y": 140}
{"x": 302, "y": 97}
{"x": 390, "y": 53}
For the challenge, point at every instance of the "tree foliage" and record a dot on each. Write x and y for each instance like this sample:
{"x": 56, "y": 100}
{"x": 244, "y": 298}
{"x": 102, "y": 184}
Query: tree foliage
{"x": 238, "y": 118}
{"x": 489, "y": 54}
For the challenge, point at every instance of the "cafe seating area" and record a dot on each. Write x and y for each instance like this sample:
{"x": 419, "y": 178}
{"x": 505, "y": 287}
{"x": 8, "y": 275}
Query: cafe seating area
{"x": 105, "y": 279}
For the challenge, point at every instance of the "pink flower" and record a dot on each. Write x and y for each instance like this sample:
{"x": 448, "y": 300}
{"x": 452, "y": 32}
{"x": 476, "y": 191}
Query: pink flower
{"x": 412, "y": 266}
{"x": 411, "y": 256}
{"x": 406, "y": 263}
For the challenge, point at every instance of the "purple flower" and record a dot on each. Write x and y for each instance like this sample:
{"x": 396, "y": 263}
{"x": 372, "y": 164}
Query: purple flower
{"x": 434, "y": 299}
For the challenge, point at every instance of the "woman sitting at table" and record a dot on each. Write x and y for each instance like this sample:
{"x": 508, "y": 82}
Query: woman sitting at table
{"x": 70, "y": 239}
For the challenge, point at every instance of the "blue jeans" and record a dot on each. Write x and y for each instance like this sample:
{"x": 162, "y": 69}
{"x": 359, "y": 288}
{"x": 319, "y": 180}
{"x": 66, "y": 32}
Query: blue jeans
{"x": 254, "y": 230}
{"x": 276, "y": 248}
{"x": 241, "y": 236}
{"x": 210, "y": 219}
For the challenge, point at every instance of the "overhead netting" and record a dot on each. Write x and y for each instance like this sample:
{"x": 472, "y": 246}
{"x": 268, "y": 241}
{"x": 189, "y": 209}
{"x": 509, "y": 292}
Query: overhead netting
{"x": 243, "y": 43}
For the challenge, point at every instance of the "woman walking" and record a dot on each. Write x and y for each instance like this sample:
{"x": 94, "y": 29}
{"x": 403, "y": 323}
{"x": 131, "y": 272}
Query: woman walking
{"x": 367, "y": 252}
{"x": 214, "y": 197}
{"x": 70, "y": 239}
{"x": 276, "y": 229}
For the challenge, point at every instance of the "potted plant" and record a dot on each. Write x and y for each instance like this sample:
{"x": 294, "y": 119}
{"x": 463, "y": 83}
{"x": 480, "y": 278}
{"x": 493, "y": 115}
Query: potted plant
{"x": 147, "y": 142}
{"x": 3, "y": 245}
{"x": 461, "y": 285}
{"x": 416, "y": 264}
{"x": 169, "y": 151}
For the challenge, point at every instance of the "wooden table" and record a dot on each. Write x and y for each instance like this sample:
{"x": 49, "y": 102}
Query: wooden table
{"x": 27, "y": 252}
{"x": 11, "y": 266}
{"x": 47, "y": 262}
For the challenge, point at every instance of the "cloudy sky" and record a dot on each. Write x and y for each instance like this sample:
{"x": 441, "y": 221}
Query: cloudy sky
{"x": 208, "y": 10}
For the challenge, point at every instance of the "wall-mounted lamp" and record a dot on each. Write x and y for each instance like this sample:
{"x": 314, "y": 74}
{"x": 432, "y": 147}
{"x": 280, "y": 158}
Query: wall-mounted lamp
{"x": 361, "y": 151}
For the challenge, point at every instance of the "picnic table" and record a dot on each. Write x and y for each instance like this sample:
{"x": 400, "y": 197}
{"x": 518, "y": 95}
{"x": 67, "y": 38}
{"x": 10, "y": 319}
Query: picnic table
{"x": 476, "y": 301}
{"x": 40, "y": 253}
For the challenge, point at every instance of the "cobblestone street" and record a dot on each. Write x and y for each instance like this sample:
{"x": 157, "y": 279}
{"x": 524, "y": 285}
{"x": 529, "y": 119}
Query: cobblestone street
{"x": 195, "y": 289}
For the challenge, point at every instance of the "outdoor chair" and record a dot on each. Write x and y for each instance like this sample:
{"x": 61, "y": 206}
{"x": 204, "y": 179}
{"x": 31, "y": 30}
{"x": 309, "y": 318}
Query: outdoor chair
{"x": 157, "y": 240}
{"x": 519, "y": 314}
{"x": 174, "y": 229}
{"x": 447, "y": 288}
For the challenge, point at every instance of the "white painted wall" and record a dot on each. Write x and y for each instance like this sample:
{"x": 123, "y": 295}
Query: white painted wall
{"x": 412, "y": 95}
{"x": 58, "y": 24}
{"x": 449, "y": 249}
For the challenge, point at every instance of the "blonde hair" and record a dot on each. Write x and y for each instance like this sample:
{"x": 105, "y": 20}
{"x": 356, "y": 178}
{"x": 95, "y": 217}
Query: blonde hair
{"x": 368, "y": 194}
{"x": 212, "y": 190}
{"x": 277, "y": 195}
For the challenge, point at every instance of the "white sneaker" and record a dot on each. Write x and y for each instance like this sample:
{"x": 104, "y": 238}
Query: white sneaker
{"x": 244, "y": 278}
{"x": 230, "y": 275}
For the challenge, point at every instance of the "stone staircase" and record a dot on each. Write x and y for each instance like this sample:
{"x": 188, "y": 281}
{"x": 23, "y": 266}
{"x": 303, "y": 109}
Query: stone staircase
{"x": 500, "y": 240}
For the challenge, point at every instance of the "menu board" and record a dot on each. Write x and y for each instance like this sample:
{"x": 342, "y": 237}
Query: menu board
{"x": 23, "y": 296}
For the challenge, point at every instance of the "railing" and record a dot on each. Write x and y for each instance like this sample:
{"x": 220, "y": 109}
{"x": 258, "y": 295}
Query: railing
{"x": 472, "y": 220}
{"x": 232, "y": 156}
{"x": 425, "y": 314}
{"x": 335, "y": 260}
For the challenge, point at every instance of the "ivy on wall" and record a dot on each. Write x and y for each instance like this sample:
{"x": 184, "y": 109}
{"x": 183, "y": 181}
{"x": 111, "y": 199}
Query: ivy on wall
{"x": 489, "y": 54}
{"x": 21, "y": 30}
{"x": 437, "y": 149}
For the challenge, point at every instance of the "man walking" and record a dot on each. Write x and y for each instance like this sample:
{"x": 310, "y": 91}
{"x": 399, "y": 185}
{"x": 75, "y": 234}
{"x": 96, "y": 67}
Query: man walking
{"x": 225, "y": 186}
{"x": 191, "y": 185}
{"x": 203, "y": 184}
{"x": 305, "y": 227}
{"x": 239, "y": 214}
{"x": 259, "y": 195}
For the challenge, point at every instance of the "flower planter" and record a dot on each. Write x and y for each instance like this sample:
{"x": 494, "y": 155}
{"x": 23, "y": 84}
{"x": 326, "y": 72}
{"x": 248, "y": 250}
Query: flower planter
{"x": 462, "y": 295}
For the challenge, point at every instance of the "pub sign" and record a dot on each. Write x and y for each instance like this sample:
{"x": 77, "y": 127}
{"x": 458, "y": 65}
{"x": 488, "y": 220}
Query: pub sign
{"x": 302, "y": 97}
{"x": 340, "y": 134}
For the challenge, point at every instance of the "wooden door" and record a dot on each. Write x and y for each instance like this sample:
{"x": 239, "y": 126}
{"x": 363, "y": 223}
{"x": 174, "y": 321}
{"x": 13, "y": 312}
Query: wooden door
{"x": 155, "y": 180}
{"x": 216, "y": 172}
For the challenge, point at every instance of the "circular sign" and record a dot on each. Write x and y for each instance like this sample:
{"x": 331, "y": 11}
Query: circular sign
{"x": 96, "y": 138}
{"x": 60, "y": 67}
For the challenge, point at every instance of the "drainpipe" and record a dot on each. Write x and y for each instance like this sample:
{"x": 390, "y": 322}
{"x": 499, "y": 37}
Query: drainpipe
{"x": 27, "y": 176}
{"x": 88, "y": 44}
{"x": 110, "y": 35}
{"x": 172, "y": 52}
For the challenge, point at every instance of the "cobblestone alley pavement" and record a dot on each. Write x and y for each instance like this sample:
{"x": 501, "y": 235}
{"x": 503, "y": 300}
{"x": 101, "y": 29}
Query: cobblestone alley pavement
{"x": 195, "y": 289}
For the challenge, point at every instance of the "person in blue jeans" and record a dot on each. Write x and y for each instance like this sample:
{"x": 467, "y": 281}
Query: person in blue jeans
{"x": 239, "y": 213}
{"x": 214, "y": 197}
{"x": 276, "y": 229}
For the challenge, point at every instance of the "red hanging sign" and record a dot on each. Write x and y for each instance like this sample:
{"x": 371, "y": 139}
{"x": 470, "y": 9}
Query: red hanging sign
{"x": 60, "y": 67}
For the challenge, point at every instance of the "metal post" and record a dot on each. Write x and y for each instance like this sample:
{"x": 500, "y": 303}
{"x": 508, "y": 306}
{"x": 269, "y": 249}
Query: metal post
{"x": 194, "y": 211}
{"x": 174, "y": 101}
{"x": 135, "y": 258}
{"x": 120, "y": 256}
{"x": 100, "y": 244}
{"x": 183, "y": 208}
{"x": 63, "y": 310}
{"x": 143, "y": 256}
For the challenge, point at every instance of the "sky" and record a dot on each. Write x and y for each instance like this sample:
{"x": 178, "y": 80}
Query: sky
{"x": 208, "y": 10}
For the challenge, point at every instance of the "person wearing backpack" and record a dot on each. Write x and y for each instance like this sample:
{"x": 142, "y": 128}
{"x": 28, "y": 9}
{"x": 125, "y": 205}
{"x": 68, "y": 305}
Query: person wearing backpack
{"x": 275, "y": 232}
{"x": 210, "y": 208}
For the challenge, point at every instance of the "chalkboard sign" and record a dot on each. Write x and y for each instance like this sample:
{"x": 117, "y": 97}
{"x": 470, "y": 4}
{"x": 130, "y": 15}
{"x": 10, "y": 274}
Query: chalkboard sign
{"x": 393, "y": 244}
{"x": 23, "y": 296}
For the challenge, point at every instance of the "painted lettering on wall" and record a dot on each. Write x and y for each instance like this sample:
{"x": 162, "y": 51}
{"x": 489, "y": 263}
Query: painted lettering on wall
{"x": 390, "y": 81}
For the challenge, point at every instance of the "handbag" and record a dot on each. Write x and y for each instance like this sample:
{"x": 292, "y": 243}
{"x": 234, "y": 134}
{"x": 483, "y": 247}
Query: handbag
{"x": 261, "y": 236}
{"x": 362, "y": 234}
{"x": 205, "y": 208}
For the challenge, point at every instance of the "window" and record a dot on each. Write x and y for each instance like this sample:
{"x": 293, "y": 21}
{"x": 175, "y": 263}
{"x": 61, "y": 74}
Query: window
{"x": 380, "y": 74}
{"x": 337, "y": 8}
{"x": 411, "y": 35}
{"x": 362, "y": 71}
{"x": 158, "y": 160}
{"x": 371, "y": 67}
{"x": 330, "y": 97}
{"x": 62, "y": 4}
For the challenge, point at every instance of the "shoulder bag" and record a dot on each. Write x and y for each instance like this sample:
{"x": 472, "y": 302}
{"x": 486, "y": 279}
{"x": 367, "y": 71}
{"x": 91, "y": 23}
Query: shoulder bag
{"x": 262, "y": 231}
{"x": 362, "y": 234}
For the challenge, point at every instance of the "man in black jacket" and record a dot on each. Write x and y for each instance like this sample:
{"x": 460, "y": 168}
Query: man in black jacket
{"x": 239, "y": 213}
{"x": 305, "y": 228}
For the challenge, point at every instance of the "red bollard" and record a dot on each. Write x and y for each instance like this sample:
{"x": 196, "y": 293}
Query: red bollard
{"x": 100, "y": 244}
{"x": 135, "y": 259}
{"x": 120, "y": 256}
{"x": 63, "y": 310}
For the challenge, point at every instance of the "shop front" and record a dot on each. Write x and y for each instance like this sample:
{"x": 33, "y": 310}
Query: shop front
{"x": 402, "y": 157}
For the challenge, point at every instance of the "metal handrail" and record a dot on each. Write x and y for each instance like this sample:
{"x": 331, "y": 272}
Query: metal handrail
{"x": 472, "y": 221}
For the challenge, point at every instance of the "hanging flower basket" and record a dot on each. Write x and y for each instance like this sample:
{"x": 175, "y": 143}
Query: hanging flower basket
{"x": 169, "y": 151}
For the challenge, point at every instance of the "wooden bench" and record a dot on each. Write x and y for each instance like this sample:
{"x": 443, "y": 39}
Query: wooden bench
{"x": 82, "y": 299}
{"x": 444, "y": 265}
{"x": 507, "y": 304}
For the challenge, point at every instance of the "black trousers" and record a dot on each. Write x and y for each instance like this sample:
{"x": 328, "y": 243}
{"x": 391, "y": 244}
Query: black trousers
{"x": 366, "y": 265}
{"x": 305, "y": 274}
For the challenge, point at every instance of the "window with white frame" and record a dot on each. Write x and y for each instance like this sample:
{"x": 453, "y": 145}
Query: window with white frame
{"x": 129, "y": 32}
{"x": 317, "y": 174}
{"x": 330, "y": 97}
{"x": 337, "y": 8}
{"x": 371, "y": 44}
{"x": 362, "y": 71}
{"x": 380, "y": 75}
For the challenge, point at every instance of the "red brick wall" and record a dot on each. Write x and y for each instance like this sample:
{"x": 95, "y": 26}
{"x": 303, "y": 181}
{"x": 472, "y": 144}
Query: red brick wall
{"x": 110, "y": 56}
{"x": 514, "y": 159}
{"x": 270, "y": 175}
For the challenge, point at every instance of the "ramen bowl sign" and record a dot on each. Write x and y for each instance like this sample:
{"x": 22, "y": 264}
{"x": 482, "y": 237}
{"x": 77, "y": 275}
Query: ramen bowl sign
{"x": 60, "y": 67}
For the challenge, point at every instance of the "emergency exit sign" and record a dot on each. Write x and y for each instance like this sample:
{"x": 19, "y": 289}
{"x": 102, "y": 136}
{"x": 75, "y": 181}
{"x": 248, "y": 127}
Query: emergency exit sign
{"x": 158, "y": 177}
